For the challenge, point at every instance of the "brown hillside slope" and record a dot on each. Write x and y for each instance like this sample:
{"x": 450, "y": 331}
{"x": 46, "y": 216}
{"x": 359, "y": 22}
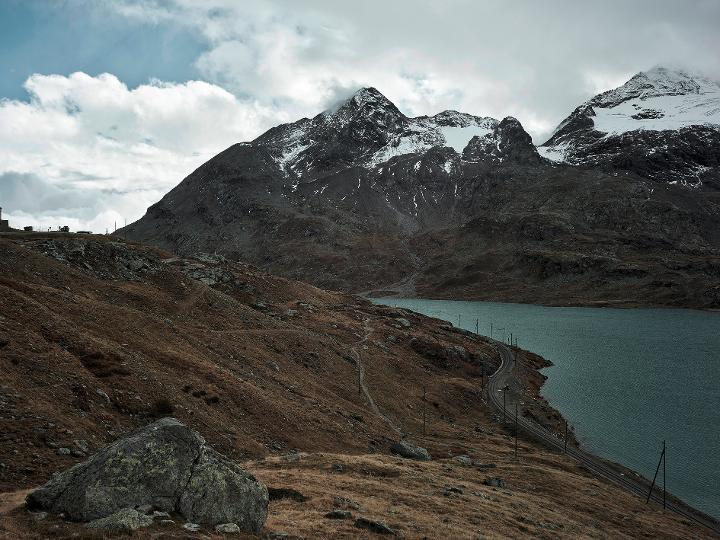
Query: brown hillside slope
{"x": 99, "y": 336}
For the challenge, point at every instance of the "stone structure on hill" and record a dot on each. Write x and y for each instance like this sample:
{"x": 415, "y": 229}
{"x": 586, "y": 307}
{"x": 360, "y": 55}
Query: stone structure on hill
{"x": 4, "y": 225}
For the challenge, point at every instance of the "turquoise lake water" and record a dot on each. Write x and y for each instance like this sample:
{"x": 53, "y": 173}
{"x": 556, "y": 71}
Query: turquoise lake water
{"x": 624, "y": 378}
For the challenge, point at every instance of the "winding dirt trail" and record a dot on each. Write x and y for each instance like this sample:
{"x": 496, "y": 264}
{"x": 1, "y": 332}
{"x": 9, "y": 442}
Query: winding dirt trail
{"x": 361, "y": 377}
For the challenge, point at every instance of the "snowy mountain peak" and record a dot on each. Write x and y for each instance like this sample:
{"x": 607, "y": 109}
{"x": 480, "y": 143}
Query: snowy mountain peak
{"x": 369, "y": 95}
{"x": 365, "y": 105}
{"x": 677, "y": 81}
{"x": 662, "y": 123}
{"x": 462, "y": 120}
{"x": 368, "y": 100}
{"x": 367, "y": 130}
{"x": 658, "y": 81}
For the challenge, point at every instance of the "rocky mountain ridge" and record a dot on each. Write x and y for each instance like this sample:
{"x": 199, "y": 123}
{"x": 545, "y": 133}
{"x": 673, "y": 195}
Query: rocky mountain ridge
{"x": 363, "y": 198}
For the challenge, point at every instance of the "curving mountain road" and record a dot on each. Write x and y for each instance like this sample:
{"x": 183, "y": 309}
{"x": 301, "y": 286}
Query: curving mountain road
{"x": 594, "y": 464}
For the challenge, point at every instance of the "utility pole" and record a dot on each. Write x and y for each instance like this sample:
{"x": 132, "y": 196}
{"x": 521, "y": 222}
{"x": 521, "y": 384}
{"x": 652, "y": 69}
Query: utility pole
{"x": 424, "y": 403}
{"x": 516, "y": 430}
{"x": 458, "y": 320}
{"x": 491, "y": 331}
{"x": 504, "y": 394}
{"x": 565, "y": 451}
{"x": 477, "y": 326}
{"x": 662, "y": 460}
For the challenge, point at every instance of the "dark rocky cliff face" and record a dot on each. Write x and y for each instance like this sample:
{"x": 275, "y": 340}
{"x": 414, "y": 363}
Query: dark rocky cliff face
{"x": 364, "y": 198}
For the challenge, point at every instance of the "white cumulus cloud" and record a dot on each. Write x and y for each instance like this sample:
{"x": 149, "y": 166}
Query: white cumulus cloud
{"x": 107, "y": 151}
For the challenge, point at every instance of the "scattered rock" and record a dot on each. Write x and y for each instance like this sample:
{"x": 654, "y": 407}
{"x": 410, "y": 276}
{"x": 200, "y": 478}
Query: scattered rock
{"x": 156, "y": 514}
{"x": 450, "y": 490}
{"x": 126, "y": 520}
{"x": 276, "y": 494}
{"x": 165, "y": 465}
{"x": 192, "y": 527}
{"x": 410, "y": 451}
{"x": 82, "y": 445}
{"x": 402, "y": 321}
{"x": 344, "y": 502}
{"x": 210, "y": 258}
{"x": 145, "y": 508}
{"x": 375, "y": 526}
{"x": 228, "y": 528}
{"x": 484, "y": 466}
{"x": 291, "y": 457}
{"x": 463, "y": 460}
{"x": 339, "y": 514}
{"x": 63, "y": 451}
{"x": 337, "y": 467}
{"x": 292, "y": 312}
{"x": 494, "y": 481}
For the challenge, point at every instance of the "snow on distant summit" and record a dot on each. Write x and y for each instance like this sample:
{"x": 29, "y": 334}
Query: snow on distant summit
{"x": 448, "y": 128}
{"x": 658, "y": 99}
{"x": 367, "y": 129}
{"x": 663, "y": 123}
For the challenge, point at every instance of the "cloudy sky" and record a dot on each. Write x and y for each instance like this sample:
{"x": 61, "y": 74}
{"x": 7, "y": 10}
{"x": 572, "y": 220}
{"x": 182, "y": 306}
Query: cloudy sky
{"x": 105, "y": 105}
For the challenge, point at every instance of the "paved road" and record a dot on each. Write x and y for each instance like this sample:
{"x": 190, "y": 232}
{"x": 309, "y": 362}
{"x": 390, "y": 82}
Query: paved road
{"x": 503, "y": 376}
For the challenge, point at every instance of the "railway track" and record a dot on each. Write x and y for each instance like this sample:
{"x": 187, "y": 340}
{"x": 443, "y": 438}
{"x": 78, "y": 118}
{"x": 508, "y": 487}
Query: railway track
{"x": 500, "y": 379}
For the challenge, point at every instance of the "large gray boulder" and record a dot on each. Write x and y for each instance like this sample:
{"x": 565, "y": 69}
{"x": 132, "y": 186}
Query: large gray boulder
{"x": 410, "y": 451}
{"x": 165, "y": 465}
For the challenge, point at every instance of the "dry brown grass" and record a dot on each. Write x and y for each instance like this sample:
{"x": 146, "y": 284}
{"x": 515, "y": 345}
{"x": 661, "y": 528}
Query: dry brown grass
{"x": 86, "y": 358}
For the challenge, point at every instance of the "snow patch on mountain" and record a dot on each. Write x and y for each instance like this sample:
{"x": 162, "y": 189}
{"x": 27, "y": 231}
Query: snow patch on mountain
{"x": 658, "y": 99}
{"x": 448, "y": 128}
{"x": 553, "y": 153}
{"x": 412, "y": 142}
{"x": 660, "y": 112}
{"x": 458, "y": 137}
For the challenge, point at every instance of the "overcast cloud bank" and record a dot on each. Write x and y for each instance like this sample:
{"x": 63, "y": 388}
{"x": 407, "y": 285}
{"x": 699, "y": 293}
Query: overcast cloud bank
{"x": 88, "y": 151}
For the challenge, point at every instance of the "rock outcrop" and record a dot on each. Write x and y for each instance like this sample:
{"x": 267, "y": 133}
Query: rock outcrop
{"x": 125, "y": 520}
{"x": 410, "y": 451}
{"x": 165, "y": 465}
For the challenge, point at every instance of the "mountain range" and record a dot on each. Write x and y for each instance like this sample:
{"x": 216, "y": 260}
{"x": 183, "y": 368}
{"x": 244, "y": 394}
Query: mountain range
{"x": 619, "y": 207}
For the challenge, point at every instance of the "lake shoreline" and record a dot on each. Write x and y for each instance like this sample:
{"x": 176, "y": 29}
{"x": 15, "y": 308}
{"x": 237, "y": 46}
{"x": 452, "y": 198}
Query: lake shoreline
{"x": 545, "y": 413}
{"x": 599, "y": 304}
